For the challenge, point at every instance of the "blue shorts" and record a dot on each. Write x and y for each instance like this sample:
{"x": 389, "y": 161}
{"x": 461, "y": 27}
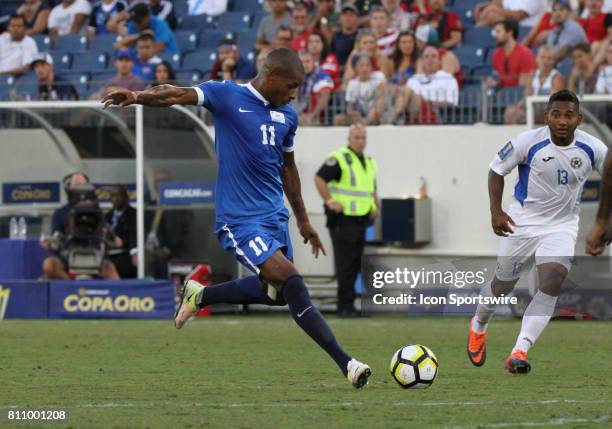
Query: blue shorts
{"x": 252, "y": 243}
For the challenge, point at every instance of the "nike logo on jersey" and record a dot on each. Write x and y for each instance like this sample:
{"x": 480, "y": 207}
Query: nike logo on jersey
{"x": 302, "y": 313}
{"x": 548, "y": 158}
{"x": 241, "y": 110}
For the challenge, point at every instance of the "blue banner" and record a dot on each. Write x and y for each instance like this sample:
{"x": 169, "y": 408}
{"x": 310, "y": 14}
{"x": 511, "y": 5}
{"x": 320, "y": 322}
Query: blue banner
{"x": 23, "y": 193}
{"x": 99, "y": 299}
{"x": 24, "y": 299}
{"x": 103, "y": 191}
{"x": 183, "y": 193}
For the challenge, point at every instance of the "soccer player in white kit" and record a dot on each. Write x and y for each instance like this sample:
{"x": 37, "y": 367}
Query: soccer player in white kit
{"x": 553, "y": 164}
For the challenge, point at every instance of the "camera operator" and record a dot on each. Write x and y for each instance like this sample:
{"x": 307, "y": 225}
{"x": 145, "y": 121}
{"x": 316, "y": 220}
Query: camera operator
{"x": 122, "y": 221}
{"x": 81, "y": 215}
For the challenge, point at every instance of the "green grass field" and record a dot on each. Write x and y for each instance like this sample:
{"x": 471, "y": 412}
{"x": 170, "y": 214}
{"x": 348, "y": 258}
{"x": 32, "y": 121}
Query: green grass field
{"x": 263, "y": 372}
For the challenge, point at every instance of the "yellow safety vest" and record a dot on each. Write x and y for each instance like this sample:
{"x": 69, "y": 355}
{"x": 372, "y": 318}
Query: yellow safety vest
{"x": 355, "y": 189}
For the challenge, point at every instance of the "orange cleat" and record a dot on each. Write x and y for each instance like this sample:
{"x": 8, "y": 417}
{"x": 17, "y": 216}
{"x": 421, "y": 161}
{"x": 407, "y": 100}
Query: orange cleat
{"x": 517, "y": 363}
{"x": 476, "y": 346}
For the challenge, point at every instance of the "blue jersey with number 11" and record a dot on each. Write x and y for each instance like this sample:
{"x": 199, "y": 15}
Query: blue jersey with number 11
{"x": 250, "y": 138}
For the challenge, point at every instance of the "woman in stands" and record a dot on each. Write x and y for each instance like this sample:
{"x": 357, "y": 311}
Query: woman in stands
{"x": 36, "y": 15}
{"x": 405, "y": 58}
{"x": 164, "y": 74}
{"x": 327, "y": 61}
{"x": 366, "y": 44}
{"x": 546, "y": 81}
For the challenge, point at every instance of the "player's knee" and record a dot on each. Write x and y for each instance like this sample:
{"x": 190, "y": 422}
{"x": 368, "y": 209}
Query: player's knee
{"x": 502, "y": 287}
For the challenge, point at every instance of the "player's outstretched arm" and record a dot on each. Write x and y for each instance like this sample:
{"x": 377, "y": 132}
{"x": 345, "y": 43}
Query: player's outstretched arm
{"x": 158, "y": 96}
{"x": 293, "y": 190}
{"x": 601, "y": 232}
{"x": 500, "y": 220}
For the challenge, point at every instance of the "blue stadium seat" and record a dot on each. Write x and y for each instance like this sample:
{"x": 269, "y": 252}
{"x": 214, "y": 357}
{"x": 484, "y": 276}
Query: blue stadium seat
{"x": 257, "y": 17}
{"x": 479, "y": 36}
{"x": 466, "y": 17}
{"x": 89, "y": 62}
{"x": 211, "y": 39}
{"x": 187, "y": 40}
{"x": 80, "y": 81}
{"x": 189, "y": 78}
{"x": 501, "y": 99}
{"x": 27, "y": 86}
{"x": 231, "y": 21}
{"x": 246, "y": 39}
{"x": 104, "y": 43}
{"x": 98, "y": 81}
{"x": 173, "y": 59}
{"x": 43, "y": 42}
{"x": 197, "y": 23}
{"x": 180, "y": 8}
{"x": 246, "y": 5}
{"x": 9, "y": 7}
{"x": 468, "y": 4}
{"x": 61, "y": 60}
{"x": 201, "y": 60}
{"x": 470, "y": 56}
{"x": 71, "y": 43}
{"x": 6, "y": 86}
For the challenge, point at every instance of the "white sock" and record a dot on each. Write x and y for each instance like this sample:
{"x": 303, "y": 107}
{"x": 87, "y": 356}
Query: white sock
{"x": 536, "y": 317}
{"x": 484, "y": 312}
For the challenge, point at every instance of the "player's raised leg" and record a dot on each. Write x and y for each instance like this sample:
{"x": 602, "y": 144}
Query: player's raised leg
{"x": 284, "y": 276}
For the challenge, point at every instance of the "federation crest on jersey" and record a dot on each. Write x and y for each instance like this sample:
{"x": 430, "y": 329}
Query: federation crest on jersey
{"x": 277, "y": 116}
{"x": 576, "y": 162}
{"x": 505, "y": 151}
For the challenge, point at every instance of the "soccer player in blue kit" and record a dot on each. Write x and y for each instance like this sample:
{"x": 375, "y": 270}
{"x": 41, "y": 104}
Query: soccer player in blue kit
{"x": 254, "y": 133}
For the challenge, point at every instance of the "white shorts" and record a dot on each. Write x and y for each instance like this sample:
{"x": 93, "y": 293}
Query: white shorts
{"x": 517, "y": 255}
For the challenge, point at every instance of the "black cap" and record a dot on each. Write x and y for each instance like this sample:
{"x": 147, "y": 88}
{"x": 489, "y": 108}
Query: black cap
{"x": 351, "y": 7}
{"x": 139, "y": 11}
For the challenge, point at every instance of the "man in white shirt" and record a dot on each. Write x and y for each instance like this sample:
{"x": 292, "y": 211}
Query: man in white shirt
{"x": 526, "y": 12}
{"x": 68, "y": 17}
{"x": 554, "y": 162}
{"x": 604, "y": 80}
{"x": 432, "y": 88}
{"x": 16, "y": 49}
{"x": 206, "y": 7}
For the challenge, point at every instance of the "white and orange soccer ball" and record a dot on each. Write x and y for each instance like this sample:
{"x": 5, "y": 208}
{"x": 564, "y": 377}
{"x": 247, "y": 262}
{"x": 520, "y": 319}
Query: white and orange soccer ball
{"x": 414, "y": 367}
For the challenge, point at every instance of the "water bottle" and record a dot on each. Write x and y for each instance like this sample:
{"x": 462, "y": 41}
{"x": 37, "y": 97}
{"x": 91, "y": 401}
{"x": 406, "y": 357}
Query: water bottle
{"x": 13, "y": 229}
{"x": 422, "y": 195}
{"x": 23, "y": 228}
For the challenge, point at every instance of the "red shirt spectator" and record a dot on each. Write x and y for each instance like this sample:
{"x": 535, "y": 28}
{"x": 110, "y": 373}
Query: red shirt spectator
{"x": 596, "y": 27}
{"x": 445, "y": 22}
{"x": 509, "y": 68}
{"x": 512, "y": 61}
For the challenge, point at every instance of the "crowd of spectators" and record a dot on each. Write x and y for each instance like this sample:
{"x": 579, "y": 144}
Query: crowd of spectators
{"x": 371, "y": 61}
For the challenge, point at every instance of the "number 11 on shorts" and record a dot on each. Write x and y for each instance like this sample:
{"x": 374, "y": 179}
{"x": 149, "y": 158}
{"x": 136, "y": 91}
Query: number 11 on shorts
{"x": 258, "y": 249}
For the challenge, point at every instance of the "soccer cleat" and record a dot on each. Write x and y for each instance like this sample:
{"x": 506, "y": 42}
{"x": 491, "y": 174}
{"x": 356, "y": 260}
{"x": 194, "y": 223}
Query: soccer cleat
{"x": 517, "y": 363}
{"x": 187, "y": 303}
{"x": 476, "y": 346}
{"x": 358, "y": 373}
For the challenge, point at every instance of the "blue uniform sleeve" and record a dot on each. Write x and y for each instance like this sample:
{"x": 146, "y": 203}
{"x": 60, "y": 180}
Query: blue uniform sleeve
{"x": 289, "y": 138}
{"x": 213, "y": 95}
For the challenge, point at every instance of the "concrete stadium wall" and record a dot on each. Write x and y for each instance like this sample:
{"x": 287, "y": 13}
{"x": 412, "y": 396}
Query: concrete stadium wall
{"x": 454, "y": 160}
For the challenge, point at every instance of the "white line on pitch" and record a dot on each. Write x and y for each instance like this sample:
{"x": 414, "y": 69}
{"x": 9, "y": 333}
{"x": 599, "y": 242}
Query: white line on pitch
{"x": 553, "y": 422}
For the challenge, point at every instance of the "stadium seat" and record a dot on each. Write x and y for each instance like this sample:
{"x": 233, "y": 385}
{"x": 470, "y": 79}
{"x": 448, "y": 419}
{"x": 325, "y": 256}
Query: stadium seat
{"x": 480, "y": 36}
{"x": 189, "y": 78}
{"x": 181, "y": 8}
{"x": 104, "y": 43}
{"x": 470, "y": 56}
{"x": 197, "y": 23}
{"x": 80, "y": 81}
{"x": 501, "y": 99}
{"x": 247, "y": 5}
{"x": 98, "y": 81}
{"x": 466, "y": 17}
{"x": 43, "y": 42}
{"x": 89, "y": 62}
{"x": 211, "y": 39}
{"x": 6, "y": 86}
{"x": 173, "y": 59}
{"x": 61, "y": 60}
{"x": 231, "y": 21}
{"x": 246, "y": 39}
{"x": 70, "y": 43}
{"x": 257, "y": 17}
{"x": 479, "y": 73}
{"x": 201, "y": 60}
{"x": 187, "y": 41}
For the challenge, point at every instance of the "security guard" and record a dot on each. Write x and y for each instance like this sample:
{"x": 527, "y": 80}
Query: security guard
{"x": 347, "y": 184}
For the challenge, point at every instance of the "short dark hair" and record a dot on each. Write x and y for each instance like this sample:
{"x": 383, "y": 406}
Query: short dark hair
{"x": 139, "y": 11}
{"x": 584, "y": 47}
{"x": 146, "y": 37}
{"x": 563, "y": 95}
{"x": 511, "y": 26}
{"x": 17, "y": 16}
